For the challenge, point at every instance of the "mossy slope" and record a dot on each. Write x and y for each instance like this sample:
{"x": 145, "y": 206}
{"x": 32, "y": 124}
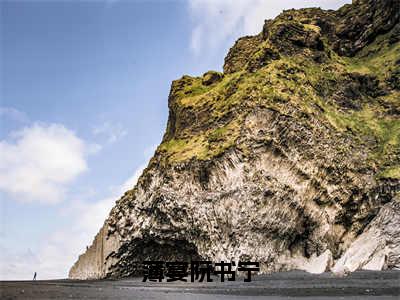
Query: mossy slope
{"x": 293, "y": 67}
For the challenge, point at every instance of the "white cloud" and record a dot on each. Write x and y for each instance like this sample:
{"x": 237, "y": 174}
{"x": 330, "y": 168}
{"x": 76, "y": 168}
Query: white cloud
{"x": 112, "y": 131}
{"x": 37, "y": 162}
{"x": 216, "y": 22}
{"x": 61, "y": 249}
{"x": 17, "y": 265}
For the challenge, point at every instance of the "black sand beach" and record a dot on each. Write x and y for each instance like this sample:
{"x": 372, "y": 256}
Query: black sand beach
{"x": 286, "y": 285}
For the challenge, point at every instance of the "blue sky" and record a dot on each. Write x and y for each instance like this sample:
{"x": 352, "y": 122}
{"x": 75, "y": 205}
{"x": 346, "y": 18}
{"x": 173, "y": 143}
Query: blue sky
{"x": 84, "y": 87}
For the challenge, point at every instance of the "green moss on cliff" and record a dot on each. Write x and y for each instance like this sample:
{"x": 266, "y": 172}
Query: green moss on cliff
{"x": 350, "y": 95}
{"x": 377, "y": 59}
{"x": 202, "y": 146}
{"x": 391, "y": 172}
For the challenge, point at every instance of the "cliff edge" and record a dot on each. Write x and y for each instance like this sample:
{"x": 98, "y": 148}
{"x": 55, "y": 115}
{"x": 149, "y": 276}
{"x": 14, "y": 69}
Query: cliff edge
{"x": 290, "y": 157}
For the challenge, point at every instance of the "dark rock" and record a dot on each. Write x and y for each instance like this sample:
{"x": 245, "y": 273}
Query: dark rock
{"x": 211, "y": 77}
{"x": 394, "y": 79}
{"x": 265, "y": 56}
{"x": 360, "y": 23}
{"x": 239, "y": 54}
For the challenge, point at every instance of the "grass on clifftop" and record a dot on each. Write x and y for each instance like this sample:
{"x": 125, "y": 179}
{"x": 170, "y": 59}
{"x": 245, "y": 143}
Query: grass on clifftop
{"x": 287, "y": 85}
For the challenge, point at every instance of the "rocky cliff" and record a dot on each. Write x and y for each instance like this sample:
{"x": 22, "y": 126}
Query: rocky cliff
{"x": 290, "y": 157}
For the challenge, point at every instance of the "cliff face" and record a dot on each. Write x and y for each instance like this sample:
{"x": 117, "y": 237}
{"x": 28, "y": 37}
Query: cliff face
{"x": 290, "y": 157}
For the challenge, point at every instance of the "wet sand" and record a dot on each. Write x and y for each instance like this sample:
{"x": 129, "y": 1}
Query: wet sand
{"x": 286, "y": 285}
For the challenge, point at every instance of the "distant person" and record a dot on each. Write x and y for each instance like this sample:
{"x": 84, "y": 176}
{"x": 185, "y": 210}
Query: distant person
{"x": 34, "y": 276}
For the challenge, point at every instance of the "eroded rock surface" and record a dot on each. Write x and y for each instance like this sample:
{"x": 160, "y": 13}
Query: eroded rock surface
{"x": 291, "y": 157}
{"x": 378, "y": 247}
